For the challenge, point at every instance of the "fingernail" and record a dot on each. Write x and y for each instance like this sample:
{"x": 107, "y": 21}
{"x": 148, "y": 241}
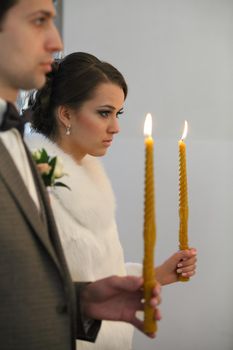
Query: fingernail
{"x": 154, "y": 303}
{"x": 179, "y": 265}
{"x": 184, "y": 274}
{"x": 179, "y": 270}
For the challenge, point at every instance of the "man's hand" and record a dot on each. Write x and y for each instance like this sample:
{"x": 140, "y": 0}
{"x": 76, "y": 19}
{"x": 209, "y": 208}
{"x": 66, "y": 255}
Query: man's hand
{"x": 118, "y": 299}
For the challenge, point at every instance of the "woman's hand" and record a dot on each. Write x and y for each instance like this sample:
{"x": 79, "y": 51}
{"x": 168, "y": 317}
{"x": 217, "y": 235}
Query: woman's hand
{"x": 181, "y": 263}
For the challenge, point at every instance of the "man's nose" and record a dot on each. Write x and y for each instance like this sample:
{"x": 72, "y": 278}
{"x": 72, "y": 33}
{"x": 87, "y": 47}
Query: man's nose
{"x": 54, "y": 41}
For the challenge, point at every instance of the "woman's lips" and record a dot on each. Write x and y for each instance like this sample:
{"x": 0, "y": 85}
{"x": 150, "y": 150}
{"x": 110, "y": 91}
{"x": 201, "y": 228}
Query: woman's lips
{"x": 107, "y": 142}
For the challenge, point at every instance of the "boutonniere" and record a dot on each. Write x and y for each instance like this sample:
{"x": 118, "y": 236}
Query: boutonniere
{"x": 50, "y": 168}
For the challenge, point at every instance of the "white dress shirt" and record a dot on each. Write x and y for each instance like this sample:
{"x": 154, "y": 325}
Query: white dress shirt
{"x": 13, "y": 142}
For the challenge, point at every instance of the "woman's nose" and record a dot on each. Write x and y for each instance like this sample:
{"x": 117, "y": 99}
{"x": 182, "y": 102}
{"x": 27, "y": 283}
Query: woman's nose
{"x": 114, "y": 126}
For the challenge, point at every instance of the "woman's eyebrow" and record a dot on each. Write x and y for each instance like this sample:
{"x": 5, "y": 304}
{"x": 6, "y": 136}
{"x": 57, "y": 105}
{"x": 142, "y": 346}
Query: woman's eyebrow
{"x": 108, "y": 106}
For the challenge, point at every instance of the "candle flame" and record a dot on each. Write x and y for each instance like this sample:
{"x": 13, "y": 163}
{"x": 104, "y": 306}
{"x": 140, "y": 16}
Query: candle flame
{"x": 148, "y": 125}
{"x": 185, "y": 130}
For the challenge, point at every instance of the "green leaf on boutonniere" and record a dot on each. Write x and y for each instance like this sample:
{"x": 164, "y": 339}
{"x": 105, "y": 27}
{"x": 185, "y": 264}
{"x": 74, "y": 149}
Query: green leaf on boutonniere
{"x": 44, "y": 158}
{"x": 60, "y": 184}
{"x": 52, "y": 162}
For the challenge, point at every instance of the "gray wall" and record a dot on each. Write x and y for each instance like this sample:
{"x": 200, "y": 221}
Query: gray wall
{"x": 59, "y": 17}
{"x": 177, "y": 58}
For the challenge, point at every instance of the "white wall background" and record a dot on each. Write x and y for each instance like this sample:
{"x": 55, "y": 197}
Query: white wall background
{"x": 177, "y": 57}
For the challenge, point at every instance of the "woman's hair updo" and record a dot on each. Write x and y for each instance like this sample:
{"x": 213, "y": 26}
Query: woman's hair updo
{"x": 72, "y": 81}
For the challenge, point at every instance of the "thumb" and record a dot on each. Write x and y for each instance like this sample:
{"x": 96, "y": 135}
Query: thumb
{"x": 129, "y": 283}
{"x": 185, "y": 254}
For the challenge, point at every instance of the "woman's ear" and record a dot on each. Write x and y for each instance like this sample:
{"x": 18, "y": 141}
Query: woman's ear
{"x": 64, "y": 116}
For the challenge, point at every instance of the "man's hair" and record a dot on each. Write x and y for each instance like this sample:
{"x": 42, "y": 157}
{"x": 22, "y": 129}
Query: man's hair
{"x": 5, "y": 6}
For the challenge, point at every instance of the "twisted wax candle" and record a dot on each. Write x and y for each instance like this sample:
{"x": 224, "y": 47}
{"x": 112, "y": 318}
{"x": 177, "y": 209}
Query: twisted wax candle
{"x": 150, "y": 325}
{"x": 183, "y": 198}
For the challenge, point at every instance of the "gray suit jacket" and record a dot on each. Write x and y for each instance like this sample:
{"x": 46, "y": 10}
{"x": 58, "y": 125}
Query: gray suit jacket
{"x": 39, "y": 303}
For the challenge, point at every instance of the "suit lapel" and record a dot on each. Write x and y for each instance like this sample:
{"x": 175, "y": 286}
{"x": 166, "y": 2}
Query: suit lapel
{"x": 49, "y": 218}
{"x": 12, "y": 178}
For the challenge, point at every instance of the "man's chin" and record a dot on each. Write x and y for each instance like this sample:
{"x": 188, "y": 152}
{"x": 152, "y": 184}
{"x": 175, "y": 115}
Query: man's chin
{"x": 40, "y": 81}
{"x": 31, "y": 84}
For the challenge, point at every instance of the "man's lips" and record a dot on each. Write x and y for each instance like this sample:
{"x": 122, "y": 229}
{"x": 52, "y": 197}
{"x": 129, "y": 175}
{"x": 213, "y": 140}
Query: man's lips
{"x": 47, "y": 66}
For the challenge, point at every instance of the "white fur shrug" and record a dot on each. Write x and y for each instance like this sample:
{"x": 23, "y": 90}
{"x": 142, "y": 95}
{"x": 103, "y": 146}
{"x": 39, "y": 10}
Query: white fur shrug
{"x": 85, "y": 217}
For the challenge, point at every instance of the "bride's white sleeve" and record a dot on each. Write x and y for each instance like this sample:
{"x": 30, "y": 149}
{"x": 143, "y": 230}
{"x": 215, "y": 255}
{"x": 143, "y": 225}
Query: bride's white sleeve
{"x": 134, "y": 269}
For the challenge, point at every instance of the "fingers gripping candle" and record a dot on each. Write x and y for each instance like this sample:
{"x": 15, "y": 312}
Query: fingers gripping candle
{"x": 183, "y": 197}
{"x": 149, "y": 230}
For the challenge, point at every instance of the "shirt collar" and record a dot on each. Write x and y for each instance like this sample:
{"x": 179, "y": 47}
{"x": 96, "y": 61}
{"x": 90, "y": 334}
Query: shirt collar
{"x": 3, "y": 106}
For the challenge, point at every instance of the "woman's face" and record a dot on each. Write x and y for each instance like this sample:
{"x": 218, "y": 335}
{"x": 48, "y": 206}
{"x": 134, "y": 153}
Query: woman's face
{"x": 95, "y": 123}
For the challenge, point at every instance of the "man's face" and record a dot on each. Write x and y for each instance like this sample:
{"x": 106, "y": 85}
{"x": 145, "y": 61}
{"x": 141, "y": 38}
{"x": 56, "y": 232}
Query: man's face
{"x": 27, "y": 40}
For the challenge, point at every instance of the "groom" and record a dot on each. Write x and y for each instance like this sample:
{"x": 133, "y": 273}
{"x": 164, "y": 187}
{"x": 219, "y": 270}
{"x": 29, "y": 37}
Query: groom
{"x": 40, "y": 306}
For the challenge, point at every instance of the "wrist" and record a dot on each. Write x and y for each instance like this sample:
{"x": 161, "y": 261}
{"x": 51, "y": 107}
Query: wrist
{"x": 159, "y": 275}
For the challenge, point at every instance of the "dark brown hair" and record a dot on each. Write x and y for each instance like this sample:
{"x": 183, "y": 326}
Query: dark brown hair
{"x": 72, "y": 82}
{"x": 4, "y": 7}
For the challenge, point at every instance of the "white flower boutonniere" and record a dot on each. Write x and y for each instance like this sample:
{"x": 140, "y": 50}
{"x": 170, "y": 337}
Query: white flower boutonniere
{"x": 51, "y": 168}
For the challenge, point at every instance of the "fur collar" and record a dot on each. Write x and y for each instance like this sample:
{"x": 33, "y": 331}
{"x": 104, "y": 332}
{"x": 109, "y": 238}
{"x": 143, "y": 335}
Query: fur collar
{"x": 91, "y": 200}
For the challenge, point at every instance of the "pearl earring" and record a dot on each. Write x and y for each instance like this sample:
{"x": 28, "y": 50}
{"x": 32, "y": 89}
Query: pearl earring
{"x": 68, "y": 130}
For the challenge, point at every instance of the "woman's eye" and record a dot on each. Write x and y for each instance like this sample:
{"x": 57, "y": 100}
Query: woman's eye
{"x": 104, "y": 113}
{"x": 119, "y": 113}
